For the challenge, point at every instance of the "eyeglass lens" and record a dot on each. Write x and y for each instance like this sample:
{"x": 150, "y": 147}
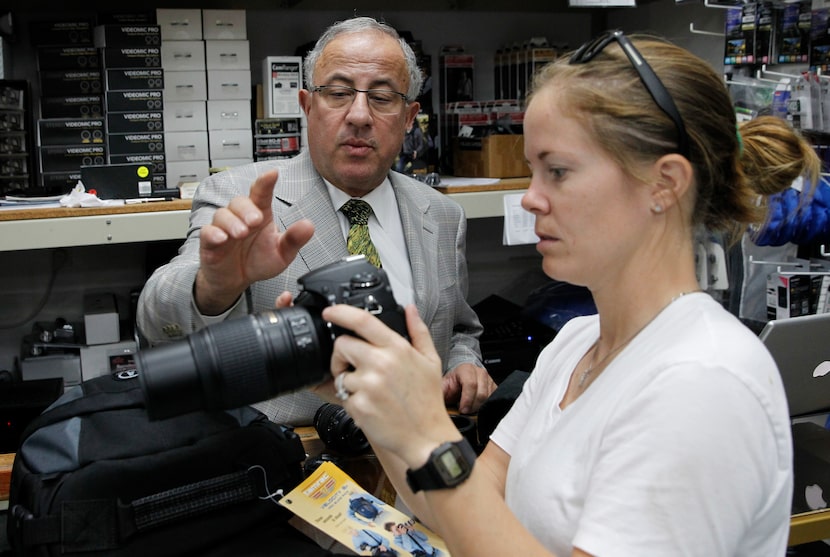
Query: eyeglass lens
{"x": 382, "y": 101}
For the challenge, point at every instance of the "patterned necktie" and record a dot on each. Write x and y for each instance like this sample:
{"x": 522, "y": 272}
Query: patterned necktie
{"x": 358, "y": 211}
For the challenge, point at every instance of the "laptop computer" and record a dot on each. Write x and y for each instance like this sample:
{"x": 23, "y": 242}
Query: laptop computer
{"x": 801, "y": 348}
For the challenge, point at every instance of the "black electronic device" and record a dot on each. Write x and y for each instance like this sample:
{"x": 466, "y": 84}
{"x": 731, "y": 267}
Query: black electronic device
{"x": 448, "y": 466}
{"x": 249, "y": 359}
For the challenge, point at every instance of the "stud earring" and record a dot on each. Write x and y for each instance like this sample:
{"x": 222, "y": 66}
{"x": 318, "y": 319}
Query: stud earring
{"x": 656, "y": 208}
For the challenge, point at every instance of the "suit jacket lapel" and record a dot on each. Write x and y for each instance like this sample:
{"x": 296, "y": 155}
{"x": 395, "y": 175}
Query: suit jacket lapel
{"x": 421, "y": 233}
{"x": 303, "y": 195}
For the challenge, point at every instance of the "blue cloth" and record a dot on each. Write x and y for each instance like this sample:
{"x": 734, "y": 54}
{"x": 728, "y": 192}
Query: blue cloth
{"x": 795, "y": 220}
{"x": 366, "y": 539}
{"x": 415, "y": 541}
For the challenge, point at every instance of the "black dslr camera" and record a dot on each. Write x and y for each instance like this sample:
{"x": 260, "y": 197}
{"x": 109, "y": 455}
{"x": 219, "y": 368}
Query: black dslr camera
{"x": 246, "y": 360}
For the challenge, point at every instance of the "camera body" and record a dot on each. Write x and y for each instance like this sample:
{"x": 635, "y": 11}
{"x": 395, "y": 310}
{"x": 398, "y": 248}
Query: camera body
{"x": 253, "y": 358}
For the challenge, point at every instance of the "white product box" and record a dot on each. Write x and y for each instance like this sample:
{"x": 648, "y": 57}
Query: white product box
{"x": 103, "y": 359}
{"x": 229, "y": 84}
{"x": 224, "y": 24}
{"x": 186, "y": 146}
{"x": 65, "y": 366}
{"x": 186, "y": 171}
{"x": 179, "y": 25}
{"x": 185, "y": 116}
{"x": 229, "y": 163}
{"x": 282, "y": 79}
{"x": 228, "y": 55}
{"x": 185, "y": 86}
{"x": 229, "y": 115}
{"x": 101, "y": 319}
{"x": 231, "y": 144}
{"x": 183, "y": 56}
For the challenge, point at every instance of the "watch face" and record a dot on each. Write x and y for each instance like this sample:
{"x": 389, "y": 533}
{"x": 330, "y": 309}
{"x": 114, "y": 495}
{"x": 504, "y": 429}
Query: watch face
{"x": 452, "y": 465}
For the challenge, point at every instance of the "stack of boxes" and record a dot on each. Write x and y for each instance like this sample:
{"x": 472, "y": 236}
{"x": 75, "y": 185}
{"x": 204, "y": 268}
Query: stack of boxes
{"x": 133, "y": 99}
{"x": 71, "y": 129}
{"x": 16, "y": 168}
{"x": 185, "y": 96}
{"x": 228, "y": 61}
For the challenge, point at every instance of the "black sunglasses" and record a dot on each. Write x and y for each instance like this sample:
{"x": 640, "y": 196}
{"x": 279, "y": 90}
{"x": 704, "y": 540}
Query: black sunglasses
{"x": 654, "y": 86}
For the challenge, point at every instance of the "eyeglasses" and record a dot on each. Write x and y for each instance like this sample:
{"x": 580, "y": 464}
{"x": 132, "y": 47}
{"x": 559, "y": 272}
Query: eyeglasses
{"x": 381, "y": 101}
{"x": 654, "y": 86}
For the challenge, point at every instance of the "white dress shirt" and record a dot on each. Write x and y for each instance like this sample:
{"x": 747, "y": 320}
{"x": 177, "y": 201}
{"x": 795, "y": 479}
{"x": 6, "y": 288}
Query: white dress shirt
{"x": 387, "y": 234}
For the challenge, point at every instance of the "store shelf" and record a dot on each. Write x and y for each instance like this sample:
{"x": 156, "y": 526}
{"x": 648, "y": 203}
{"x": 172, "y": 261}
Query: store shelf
{"x": 25, "y": 229}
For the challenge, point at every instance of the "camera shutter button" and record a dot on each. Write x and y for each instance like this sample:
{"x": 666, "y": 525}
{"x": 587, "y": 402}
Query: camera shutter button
{"x": 372, "y": 305}
{"x": 364, "y": 280}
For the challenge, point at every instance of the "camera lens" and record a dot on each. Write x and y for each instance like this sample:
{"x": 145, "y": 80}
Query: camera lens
{"x": 338, "y": 431}
{"x": 236, "y": 362}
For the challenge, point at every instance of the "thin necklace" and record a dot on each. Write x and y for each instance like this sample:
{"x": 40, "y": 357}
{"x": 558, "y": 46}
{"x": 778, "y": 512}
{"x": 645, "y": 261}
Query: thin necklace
{"x": 583, "y": 377}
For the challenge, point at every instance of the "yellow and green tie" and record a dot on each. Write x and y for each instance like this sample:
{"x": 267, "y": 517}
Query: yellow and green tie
{"x": 359, "y": 241}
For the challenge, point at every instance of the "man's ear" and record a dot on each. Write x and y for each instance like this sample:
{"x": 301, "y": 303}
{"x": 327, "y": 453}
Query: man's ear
{"x": 674, "y": 177}
{"x": 305, "y": 100}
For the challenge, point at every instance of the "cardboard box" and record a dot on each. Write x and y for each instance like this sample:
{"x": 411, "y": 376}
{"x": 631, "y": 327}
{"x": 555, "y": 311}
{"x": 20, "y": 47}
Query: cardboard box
{"x": 179, "y": 24}
{"x": 71, "y": 131}
{"x": 185, "y": 116}
{"x": 494, "y": 156}
{"x": 135, "y": 143}
{"x": 793, "y": 294}
{"x": 67, "y": 58}
{"x": 227, "y": 55}
{"x": 101, "y": 319}
{"x": 224, "y": 24}
{"x": 135, "y": 122}
{"x": 107, "y": 359}
{"x": 134, "y": 101}
{"x": 131, "y": 57}
{"x": 182, "y": 56}
{"x": 127, "y": 35}
{"x": 70, "y": 158}
{"x": 185, "y": 86}
{"x": 135, "y": 80}
{"x": 229, "y": 115}
{"x": 61, "y": 33}
{"x": 156, "y": 161}
{"x": 282, "y": 78}
{"x": 65, "y": 83}
{"x": 80, "y": 106}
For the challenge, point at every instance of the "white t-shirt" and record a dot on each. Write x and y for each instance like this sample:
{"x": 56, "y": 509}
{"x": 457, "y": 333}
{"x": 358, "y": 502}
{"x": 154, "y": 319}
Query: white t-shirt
{"x": 681, "y": 446}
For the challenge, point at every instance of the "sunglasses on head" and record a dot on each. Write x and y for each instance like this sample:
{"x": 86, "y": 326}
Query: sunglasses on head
{"x": 654, "y": 86}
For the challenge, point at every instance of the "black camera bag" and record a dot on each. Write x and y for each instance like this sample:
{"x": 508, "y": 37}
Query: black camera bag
{"x": 94, "y": 476}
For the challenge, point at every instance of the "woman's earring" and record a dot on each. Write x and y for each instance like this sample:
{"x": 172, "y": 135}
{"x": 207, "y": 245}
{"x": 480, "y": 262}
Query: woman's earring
{"x": 656, "y": 208}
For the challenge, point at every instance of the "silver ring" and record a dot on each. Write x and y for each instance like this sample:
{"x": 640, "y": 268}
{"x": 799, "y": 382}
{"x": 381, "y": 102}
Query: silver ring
{"x": 341, "y": 394}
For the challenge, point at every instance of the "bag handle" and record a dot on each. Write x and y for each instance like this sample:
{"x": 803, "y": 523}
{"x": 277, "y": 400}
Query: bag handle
{"x": 91, "y": 525}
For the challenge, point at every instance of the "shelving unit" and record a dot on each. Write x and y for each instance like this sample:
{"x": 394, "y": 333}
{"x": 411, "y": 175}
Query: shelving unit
{"x": 26, "y": 229}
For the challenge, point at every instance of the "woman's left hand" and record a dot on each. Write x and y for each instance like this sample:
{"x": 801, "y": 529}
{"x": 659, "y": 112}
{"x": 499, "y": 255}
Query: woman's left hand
{"x": 395, "y": 388}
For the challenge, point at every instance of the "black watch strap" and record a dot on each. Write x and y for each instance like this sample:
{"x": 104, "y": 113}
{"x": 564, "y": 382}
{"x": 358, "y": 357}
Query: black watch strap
{"x": 448, "y": 466}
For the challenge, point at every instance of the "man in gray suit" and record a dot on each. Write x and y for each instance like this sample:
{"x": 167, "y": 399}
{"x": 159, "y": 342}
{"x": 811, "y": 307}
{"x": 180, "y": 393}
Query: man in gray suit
{"x": 256, "y": 228}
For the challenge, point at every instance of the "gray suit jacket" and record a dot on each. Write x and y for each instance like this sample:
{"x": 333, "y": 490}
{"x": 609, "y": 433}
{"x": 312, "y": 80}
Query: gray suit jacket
{"x": 434, "y": 227}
